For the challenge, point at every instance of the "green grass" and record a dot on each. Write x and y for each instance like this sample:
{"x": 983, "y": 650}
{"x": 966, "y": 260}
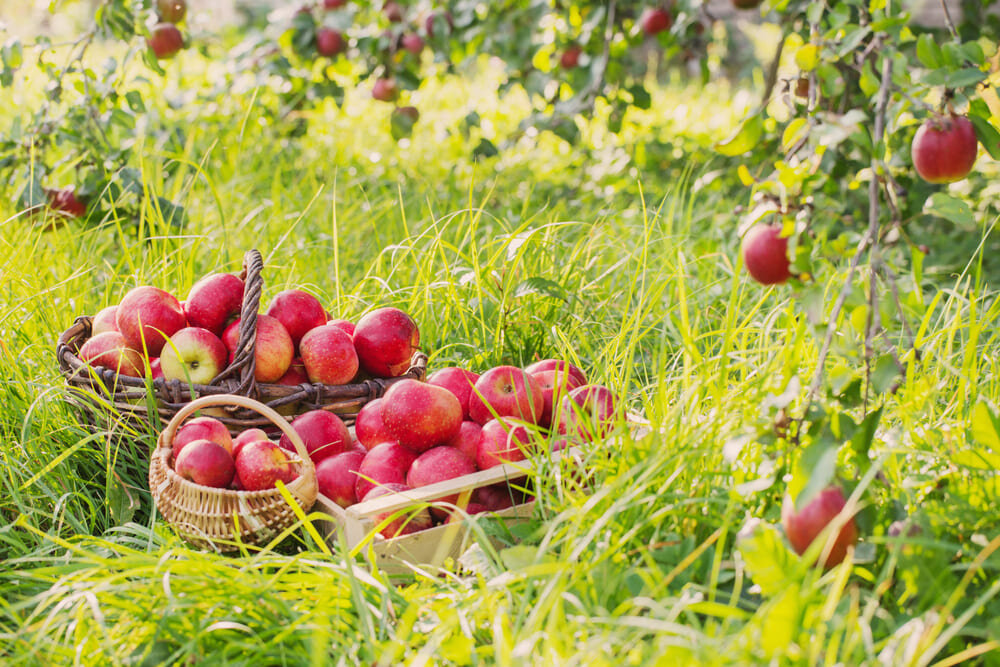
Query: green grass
{"x": 617, "y": 256}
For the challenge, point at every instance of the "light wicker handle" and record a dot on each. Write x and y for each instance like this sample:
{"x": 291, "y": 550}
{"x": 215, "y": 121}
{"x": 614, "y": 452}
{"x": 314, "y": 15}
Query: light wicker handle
{"x": 308, "y": 468}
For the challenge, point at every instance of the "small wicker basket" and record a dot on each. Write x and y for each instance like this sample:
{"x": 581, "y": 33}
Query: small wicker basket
{"x": 103, "y": 396}
{"x": 222, "y": 519}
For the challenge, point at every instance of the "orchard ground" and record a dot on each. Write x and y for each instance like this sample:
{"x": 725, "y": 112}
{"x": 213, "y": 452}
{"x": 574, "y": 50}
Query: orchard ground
{"x": 620, "y": 254}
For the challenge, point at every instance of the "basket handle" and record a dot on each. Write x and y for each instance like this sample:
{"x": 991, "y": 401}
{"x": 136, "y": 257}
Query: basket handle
{"x": 167, "y": 438}
{"x": 244, "y": 361}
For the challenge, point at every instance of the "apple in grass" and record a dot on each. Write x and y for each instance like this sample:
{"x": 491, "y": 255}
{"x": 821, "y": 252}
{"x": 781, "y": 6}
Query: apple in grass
{"x": 202, "y": 428}
{"x": 337, "y": 477}
{"x": 65, "y": 202}
{"x": 570, "y": 58}
{"x": 207, "y": 463}
{"x": 502, "y": 440}
{"x": 370, "y": 425}
{"x": 329, "y": 42}
{"x": 554, "y": 385}
{"x": 467, "y": 439}
{"x": 506, "y": 391}
{"x": 104, "y": 320}
{"x": 111, "y": 350}
{"x": 407, "y": 521}
{"x": 385, "y": 90}
{"x": 557, "y": 365}
{"x": 329, "y": 355}
{"x": 385, "y": 340}
{"x": 261, "y": 463}
{"x": 214, "y": 302}
{"x": 765, "y": 254}
{"x": 458, "y": 381}
{"x": 944, "y": 149}
{"x": 193, "y": 355}
{"x": 385, "y": 463}
{"x": 588, "y": 412}
{"x": 421, "y": 415}
{"x": 273, "y": 351}
{"x": 147, "y": 317}
{"x": 805, "y": 524}
{"x": 298, "y": 312}
{"x": 413, "y": 43}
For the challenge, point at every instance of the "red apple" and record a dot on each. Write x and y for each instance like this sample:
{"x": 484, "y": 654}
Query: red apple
{"x": 393, "y": 11}
{"x": 385, "y": 90}
{"x": 171, "y": 11}
{"x": 409, "y": 112}
{"x": 110, "y": 350}
{"x": 104, "y": 320}
{"x": 557, "y": 365}
{"x": 333, "y": 4}
{"x": 329, "y": 355}
{"x": 385, "y": 463}
{"x": 805, "y": 525}
{"x": 298, "y": 311}
{"x": 155, "y": 370}
{"x": 202, "y": 428}
{"x": 494, "y": 497}
{"x": 554, "y": 385}
{"x": 346, "y": 325}
{"x": 329, "y": 42}
{"x": 250, "y": 435}
{"x": 944, "y": 149}
{"x": 655, "y": 20}
{"x": 439, "y": 464}
{"x": 408, "y": 522}
{"x": 765, "y": 255}
{"x": 165, "y": 40}
{"x": 337, "y": 477}
{"x": 193, "y": 355}
{"x": 207, "y": 463}
{"x": 323, "y": 433}
{"x": 502, "y": 441}
{"x": 570, "y": 58}
{"x": 273, "y": 351}
{"x": 467, "y": 439}
{"x": 64, "y": 201}
{"x": 295, "y": 375}
{"x": 421, "y": 415}
{"x": 589, "y": 412}
{"x": 261, "y": 463}
{"x": 214, "y": 302}
{"x": 506, "y": 391}
{"x": 147, "y": 317}
{"x": 458, "y": 381}
{"x": 385, "y": 340}
{"x": 370, "y": 425}
{"x": 413, "y": 43}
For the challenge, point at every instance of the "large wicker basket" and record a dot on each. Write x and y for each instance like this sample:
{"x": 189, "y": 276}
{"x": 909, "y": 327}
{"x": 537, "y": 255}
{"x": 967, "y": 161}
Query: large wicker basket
{"x": 108, "y": 400}
{"x": 222, "y": 519}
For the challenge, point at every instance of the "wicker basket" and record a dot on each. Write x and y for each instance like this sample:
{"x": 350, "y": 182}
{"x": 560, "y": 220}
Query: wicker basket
{"x": 213, "y": 518}
{"x": 102, "y": 395}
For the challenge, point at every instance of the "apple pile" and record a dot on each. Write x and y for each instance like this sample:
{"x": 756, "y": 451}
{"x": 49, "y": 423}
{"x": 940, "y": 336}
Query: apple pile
{"x": 458, "y": 422}
{"x": 195, "y": 340}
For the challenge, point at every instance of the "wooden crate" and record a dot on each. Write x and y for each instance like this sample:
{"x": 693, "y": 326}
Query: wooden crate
{"x": 429, "y": 549}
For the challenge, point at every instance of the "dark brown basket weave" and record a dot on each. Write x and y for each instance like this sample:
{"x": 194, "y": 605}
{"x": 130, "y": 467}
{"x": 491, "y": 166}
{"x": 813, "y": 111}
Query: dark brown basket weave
{"x": 212, "y": 518}
{"x": 106, "y": 398}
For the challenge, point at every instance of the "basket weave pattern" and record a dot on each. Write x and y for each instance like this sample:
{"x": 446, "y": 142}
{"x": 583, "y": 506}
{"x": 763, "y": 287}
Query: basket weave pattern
{"x": 95, "y": 390}
{"x": 214, "y": 518}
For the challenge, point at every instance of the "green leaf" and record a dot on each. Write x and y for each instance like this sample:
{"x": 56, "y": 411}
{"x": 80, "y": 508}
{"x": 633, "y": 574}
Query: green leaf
{"x": 746, "y": 137}
{"x": 33, "y": 195}
{"x": 948, "y": 207}
{"x": 884, "y": 374}
{"x": 968, "y": 76}
{"x": 485, "y": 149}
{"x": 794, "y": 132}
{"x": 807, "y": 57}
{"x": 985, "y": 428}
{"x": 173, "y": 214}
{"x": 987, "y": 135}
{"x": 640, "y": 97}
{"x": 861, "y": 442}
{"x": 538, "y": 285}
{"x": 928, "y": 51}
{"x": 768, "y": 560}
